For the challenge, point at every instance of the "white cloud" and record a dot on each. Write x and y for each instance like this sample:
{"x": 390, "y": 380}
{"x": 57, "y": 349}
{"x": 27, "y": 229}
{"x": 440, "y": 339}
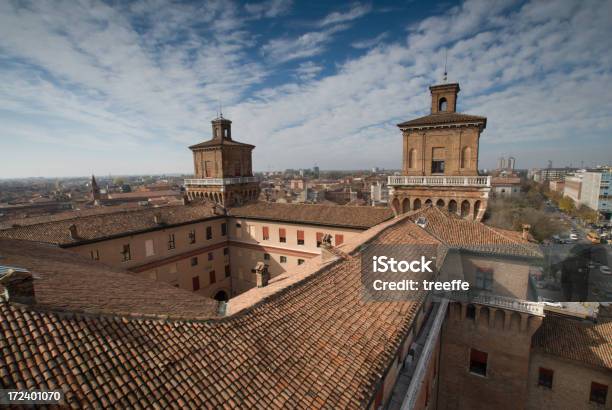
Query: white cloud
{"x": 371, "y": 42}
{"x": 93, "y": 88}
{"x": 356, "y": 11}
{"x": 269, "y": 8}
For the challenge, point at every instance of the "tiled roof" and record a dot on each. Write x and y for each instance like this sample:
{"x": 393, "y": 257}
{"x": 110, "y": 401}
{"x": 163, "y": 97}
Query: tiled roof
{"x": 69, "y": 282}
{"x": 316, "y": 344}
{"x": 455, "y": 231}
{"x": 100, "y": 226}
{"x": 586, "y": 342}
{"x": 361, "y": 217}
{"x": 443, "y": 119}
{"x": 219, "y": 142}
{"x": 74, "y": 213}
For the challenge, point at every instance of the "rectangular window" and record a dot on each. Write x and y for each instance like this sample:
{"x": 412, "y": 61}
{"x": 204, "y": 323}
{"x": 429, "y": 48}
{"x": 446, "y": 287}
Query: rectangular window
{"x": 265, "y": 231}
{"x": 227, "y": 271}
{"x": 300, "y": 261}
{"x": 192, "y": 236}
{"x": 339, "y": 239}
{"x": 95, "y": 255}
{"x": 195, "y": 283}
{"x": 238, "y": 224}
{"x": 437, "y": 167}
{"x": 210, "y": 256}
{"x": 212, "y": 277}
{"x": 484, "y": 278}
{"x": 226, "y": 251}
{"x": 282, "y": 235}
{"x": 545, "y": 377}
{"x": 194, "y": 261}
{"x": 300, "y": 237}
{"x": 126, "y": 253}
{"x": 208, "y": 233}
{"x": 599, "y": 393}
{"x": 171, "y": 242}
{"x": 223, "y": 229}
{"x": 149, "y": 247}
{"x": 266, "y": 256}
{"x": 319, "y": 239}
{"x": 478, "y": 362}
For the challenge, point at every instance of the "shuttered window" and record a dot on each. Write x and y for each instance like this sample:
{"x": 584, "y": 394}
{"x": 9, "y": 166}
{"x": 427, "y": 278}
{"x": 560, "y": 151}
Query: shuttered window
{"x": 339, "y": 239}
{"x": 300, "y": 237}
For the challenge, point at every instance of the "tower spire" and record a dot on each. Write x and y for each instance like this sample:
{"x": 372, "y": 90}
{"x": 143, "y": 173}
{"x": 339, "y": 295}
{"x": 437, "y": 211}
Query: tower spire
{"x": 445, "y": 63}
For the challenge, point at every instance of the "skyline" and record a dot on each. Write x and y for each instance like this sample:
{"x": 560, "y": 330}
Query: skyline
{"x": 124, "y": 90}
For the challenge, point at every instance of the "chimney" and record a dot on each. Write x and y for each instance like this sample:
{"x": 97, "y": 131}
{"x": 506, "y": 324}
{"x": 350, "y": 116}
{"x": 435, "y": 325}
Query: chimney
{"x": 73, "y": 232}
{"x": 262, "y": 275}
{"x": 326, "y": 248}
{"x": 526, "y": 228}
{"x": 157, "y": 218}
{"x": 18, "y": 286}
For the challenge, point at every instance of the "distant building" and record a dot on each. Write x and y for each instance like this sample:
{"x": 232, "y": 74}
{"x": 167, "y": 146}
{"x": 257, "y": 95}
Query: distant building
{"x": 591, "y": 188}
{"x": 379, "y": 193}
{"x": 556, "y": 186}
{"x": 506, "y": 186}
{"x": 551, "y": 174}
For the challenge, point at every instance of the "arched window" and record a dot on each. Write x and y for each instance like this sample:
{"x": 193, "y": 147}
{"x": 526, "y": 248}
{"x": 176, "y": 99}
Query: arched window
{"x": 412, "y": 158}
{"x": 442, "y": 104}
{"x": 465, "y": 157}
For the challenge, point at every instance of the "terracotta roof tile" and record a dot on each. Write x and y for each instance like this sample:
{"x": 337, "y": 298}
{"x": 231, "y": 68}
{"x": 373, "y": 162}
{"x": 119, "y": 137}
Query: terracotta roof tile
{"x": 455, "y": 231}
{"x": 586, "y": 342}
{"x": 361, "y": 217}
{"x": 70, "y": 282}
{"x": 100, "y": 226}
{"x": 317, "y": 343}
{"x": 443, "y": 119}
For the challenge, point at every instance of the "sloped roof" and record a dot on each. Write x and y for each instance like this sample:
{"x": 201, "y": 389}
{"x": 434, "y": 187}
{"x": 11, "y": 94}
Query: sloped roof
{"x": 317, "y": 343}
{"x": 220, "y": 142}
{"x": 359, "y": 217}
{"x": 457, "y": 232}
{"x": 67, "y": 281}
{"x": 443, "y": 119}
{"x": 102, "y": 226}
{"x": 585, "y": 342}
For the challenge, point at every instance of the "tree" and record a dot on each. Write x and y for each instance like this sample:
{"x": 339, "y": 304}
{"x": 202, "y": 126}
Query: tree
{"x": 567, "y": 205}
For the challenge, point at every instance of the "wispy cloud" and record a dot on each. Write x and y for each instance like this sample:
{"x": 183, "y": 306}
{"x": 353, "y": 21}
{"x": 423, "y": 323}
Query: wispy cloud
{"x": 371, "y": 42}
{"x": 269, "y": 8}
{"x": 125, "y": 88}
{"x": 356, "y": 11}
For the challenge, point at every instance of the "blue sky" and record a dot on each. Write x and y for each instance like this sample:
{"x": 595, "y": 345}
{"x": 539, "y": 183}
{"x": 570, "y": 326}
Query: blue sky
{"x": 124, "y": 88}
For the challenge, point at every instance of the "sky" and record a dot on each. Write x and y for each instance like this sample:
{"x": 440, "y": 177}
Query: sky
{"x": 92, "y": 87}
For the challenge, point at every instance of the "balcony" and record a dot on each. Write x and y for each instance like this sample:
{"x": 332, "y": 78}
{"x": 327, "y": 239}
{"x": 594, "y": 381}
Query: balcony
{"x": 504, "y": 302}
{"x": 443, "y": 181}
{"x": 219, "y": 181}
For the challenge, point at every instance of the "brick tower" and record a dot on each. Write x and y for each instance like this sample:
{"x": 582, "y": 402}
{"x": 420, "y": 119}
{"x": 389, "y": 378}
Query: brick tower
{"x": 223, "y": 168}
{"x": 440, "y": 160}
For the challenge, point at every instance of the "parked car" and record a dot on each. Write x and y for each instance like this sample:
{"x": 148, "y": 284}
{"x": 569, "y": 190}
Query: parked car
{"x": 573, "y": 237}
{"x": 605, "y": 270}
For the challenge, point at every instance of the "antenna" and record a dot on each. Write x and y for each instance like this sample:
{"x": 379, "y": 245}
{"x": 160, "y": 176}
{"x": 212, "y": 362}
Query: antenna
{"x": 445, "y": 62}
{"x": 220, "y": 109}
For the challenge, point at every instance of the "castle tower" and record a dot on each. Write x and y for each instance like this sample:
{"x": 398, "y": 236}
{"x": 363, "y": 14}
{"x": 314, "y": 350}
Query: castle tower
{"x": 223, "y": 168}
{"x": 440, "y": 160}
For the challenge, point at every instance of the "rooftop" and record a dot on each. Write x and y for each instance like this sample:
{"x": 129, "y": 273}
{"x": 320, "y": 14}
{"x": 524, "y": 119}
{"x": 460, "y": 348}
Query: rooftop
{"x": 316, "y": 342}
{"x": 457, "y": 232}
{"x": 67, "y": 281}
{"x": 358, "y": 217}
{"x": 583, "y": 341}
{"x": 107, "y": 225}
{"x": 443, "y": 119}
